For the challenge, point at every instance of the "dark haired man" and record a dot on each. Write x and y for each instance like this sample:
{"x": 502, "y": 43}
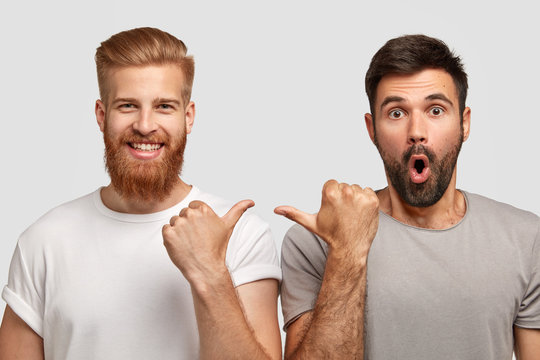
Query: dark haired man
{"x": 450, "y": 274}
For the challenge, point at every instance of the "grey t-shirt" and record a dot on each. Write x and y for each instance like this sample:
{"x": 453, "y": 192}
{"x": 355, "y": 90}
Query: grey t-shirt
{"x": 435, "y": 294}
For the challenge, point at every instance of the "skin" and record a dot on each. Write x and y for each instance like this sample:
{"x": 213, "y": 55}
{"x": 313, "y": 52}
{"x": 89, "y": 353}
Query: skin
{"x": 148, "y": 100}
{"x": 421, "y": 108}
{"x": 347, "y": 221}
{"x": 18, "y": 340}
{"x": 432, "y": 122}
{"x": 436, "y": 129}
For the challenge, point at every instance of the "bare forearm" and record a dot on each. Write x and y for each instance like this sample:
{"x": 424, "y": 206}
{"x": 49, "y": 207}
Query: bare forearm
{"x": 223, "y": 329}
{"x": 338, "y": 316}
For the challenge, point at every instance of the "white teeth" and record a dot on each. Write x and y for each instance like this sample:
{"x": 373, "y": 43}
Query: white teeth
{"x": 146, "y": 147}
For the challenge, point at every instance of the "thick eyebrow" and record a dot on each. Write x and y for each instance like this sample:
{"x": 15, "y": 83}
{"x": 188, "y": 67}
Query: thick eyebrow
{"x": 166, "y": 101}
{"x": 390, "y": 99}
{"x": 127, "y": 100}
{"x": 439, "y": 96}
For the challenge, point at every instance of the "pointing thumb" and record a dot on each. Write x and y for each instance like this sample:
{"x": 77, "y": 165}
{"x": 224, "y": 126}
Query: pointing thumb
{"x": 309, "y": 221}
{"x": 233, "y": 215}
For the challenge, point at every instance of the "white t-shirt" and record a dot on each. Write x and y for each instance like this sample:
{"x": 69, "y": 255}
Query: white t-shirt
{"x": 98, "y": 284}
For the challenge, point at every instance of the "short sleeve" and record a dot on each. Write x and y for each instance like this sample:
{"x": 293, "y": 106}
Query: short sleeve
{"x": 529, "y": 311}
{"x": 22, "y": 293}
{"x": 303, "y": 259}
{"x": 251, "y": 254}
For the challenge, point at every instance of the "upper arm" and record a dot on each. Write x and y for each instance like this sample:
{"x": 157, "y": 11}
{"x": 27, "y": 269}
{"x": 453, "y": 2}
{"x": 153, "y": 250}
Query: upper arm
{"x": 295, "y": 333}
{"x": 259, "y": 304}
{"x": 18, "y": 340}
{"x": 527, "y": 343}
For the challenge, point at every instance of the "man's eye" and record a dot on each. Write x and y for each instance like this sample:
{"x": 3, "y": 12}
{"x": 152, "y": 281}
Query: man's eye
{"x": 127, "y": 106}
{"x": 436, "y": 111}
{"x": 396, "y": 114}
{"x": 165, "y": 106}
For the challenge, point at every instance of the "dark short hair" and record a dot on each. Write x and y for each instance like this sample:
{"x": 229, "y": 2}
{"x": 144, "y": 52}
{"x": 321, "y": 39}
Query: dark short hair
{"x": 409, "y": 54}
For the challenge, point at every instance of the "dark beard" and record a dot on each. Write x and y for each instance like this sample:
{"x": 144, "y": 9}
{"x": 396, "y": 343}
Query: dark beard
{"x": 429, "y": 192}
{"x": 144, "y": 180}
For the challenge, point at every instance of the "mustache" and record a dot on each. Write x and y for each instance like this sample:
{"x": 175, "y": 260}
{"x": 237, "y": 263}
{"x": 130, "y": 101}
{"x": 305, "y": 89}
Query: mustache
{"x": 417, "y": 150}
{"x": 136, "y": 137}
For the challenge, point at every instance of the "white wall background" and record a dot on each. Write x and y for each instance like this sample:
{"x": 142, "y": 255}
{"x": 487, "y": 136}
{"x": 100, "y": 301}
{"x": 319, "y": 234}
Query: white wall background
{"x": 279, "y": 93}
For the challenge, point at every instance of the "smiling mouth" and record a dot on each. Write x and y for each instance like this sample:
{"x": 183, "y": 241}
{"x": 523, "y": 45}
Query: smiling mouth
{"x": 145, "y": 146}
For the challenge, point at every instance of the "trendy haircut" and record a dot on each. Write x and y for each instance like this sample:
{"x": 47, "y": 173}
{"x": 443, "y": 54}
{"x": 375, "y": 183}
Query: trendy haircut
{"x": 409, "y": 54}
{"x": 141, "y": 47}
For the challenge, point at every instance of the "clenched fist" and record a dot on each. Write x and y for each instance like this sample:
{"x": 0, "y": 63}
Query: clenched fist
{"x": 347, "y": 221}
{"x": 197, "y": 239}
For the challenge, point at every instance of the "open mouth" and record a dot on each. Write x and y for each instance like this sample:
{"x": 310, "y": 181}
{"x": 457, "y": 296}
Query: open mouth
{"x": 419, "y": 165}
{"x": 419, "y": 170}
{"x": 145, "y": 146}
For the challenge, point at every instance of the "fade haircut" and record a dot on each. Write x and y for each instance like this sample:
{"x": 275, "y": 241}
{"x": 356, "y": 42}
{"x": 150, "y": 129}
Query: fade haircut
{"x": 142, "y": 47}
{"x": 409, "y": 54}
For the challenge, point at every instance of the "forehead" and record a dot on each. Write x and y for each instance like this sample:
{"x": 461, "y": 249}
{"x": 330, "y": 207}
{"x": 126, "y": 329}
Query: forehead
{"x": 154, "y": 80}
{"x": 417, "y": 86}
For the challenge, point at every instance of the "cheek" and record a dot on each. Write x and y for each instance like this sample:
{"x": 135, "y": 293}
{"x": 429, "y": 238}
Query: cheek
{"x": 115, "y": 125}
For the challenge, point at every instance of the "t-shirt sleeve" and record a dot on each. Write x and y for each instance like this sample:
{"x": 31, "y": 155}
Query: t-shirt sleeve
{"x": 251, "y": 253}
{"x": 529, "y": 311}
{"x": 23, "y": 292}
{"x": 303, "y": 259}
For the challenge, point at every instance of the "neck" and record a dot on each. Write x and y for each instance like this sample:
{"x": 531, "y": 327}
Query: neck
{"x": 445, "y": 213}
{"x": 112, "y": 199}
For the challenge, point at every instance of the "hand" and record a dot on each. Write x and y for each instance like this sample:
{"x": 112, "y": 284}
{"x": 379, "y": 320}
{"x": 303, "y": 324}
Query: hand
{"x": 197, "y": 239}
{"x": 348, "y": 218}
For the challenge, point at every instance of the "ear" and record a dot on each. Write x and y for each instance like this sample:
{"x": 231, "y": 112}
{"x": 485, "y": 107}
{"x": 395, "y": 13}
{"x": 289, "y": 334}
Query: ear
{"x": 189, "y": 116}
{"x": 466, "y": 123}
{"x": 100, "y": 114}
{"x": 370, "y": 126}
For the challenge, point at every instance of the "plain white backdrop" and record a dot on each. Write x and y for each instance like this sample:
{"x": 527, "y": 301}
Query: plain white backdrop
{"x": 279, "y": 90}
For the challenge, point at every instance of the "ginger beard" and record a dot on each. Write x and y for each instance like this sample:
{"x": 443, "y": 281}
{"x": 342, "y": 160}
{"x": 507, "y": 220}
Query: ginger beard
{"x": 430, "y": 191}
{"x": 143, "y": 180}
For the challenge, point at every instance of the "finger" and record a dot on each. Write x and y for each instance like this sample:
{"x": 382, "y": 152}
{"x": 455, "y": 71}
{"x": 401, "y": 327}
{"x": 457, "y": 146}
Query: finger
{"x": 196, "y": 204}
{"x": 330, "y": 184}
{"x": 232, "y": 216}
{"x": 183, "y": 212}
{"x": 309, "y": 221}
{"x": 356, "y": 187}
{"x": 369, "y": 190}
{"x": 173, "y": 220}
{"x": 330, "y": 190}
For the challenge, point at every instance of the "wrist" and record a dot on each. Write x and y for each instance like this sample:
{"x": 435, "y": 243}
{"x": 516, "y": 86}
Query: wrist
{"x": 348, "y": 256}
{"x": 207, "y": 283}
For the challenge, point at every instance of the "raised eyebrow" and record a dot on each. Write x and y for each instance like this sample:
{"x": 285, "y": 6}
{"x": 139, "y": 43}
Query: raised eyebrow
{"x": 390, "y": 99}
{"x": 439, "y": 96}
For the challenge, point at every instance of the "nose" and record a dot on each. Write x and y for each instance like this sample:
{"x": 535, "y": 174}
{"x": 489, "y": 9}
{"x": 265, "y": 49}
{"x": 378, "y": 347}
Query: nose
{"x": 145, "y": 124}
{"x": 417, "y": 133}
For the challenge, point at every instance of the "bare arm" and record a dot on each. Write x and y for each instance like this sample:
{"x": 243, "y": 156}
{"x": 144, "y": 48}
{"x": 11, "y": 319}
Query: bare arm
{"x": 231, "y": 325}
{"x": 18, "y": 340}
{"x": 338, "y": 317}
{"x": 347, "y": 221}
{"x": 527, "y": 343}
{"x": 228, "y": 332}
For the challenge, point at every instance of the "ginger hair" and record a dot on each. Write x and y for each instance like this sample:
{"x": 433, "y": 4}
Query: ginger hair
{"x": 143, "y": 47}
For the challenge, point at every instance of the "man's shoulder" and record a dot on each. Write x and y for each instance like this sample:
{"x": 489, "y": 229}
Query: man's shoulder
{"x": 482, "y": 205}
{"x": 300, "y": 240}
{"x": 65, "y": 214}
{"x": 217, "y": 203}
{"x": 221, "y": 206}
